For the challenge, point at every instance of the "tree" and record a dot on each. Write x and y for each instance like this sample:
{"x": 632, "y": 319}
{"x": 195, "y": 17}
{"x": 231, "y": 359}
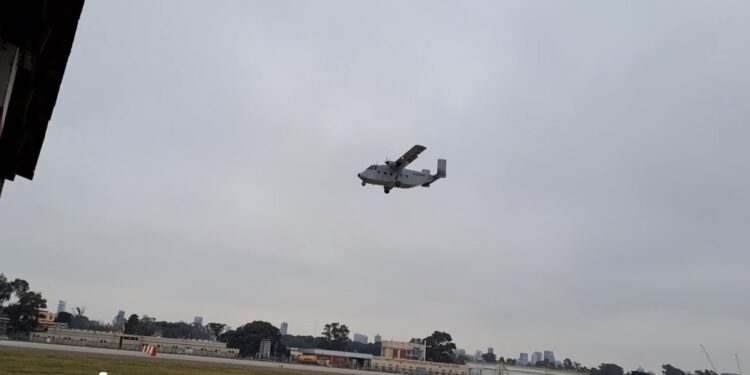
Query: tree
{"x": 78, "y": 319}
{"x": 302, "y": 342}
{"x": 131, "y": 324}
{"x": 64, "y": 317}
{"x": 248, "y": 337}
{"x": 20, "y": 286}
{"x": 671, "y": 370}
{"x": 440, "y": 347}
{"x": 335, "y": 336}
{"x": 216, "y": 329}
{"x": 23, "y": 315}
{"x": 607, "y": 369}
{"x": 489, "y": 357}
{"x": 567, "y": 364}
{"x": 6, "y": 289}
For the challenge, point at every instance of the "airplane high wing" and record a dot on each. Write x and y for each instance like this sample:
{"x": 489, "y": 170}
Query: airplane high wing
{"x": 411, "y": 155}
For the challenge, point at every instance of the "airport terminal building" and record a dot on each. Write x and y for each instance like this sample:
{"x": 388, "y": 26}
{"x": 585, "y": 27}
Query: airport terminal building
{"x": 117, "y": 340}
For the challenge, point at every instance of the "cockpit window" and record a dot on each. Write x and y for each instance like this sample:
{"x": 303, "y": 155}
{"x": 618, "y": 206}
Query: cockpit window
{"x": 371, "y": 167}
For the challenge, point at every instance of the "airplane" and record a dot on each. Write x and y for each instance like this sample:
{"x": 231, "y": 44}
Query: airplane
{"x": 394, "y": 173}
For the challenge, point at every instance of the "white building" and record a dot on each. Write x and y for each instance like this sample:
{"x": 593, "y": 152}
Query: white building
{"x": 61, "y": 306}
{"x": 283, "y": 328}
{"x": 536, "y": 357}
{"x": 523, "y": 359}
{"x": 403, "y": 350}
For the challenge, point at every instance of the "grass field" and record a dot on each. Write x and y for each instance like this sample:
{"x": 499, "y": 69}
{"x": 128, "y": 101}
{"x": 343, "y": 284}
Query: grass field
{"x": 17, "y": 361}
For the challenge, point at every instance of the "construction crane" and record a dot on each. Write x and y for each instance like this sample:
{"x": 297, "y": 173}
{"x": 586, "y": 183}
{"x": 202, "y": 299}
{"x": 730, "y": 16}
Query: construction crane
{"x": 709, "y": 359}
{"x": 739, "y": 369}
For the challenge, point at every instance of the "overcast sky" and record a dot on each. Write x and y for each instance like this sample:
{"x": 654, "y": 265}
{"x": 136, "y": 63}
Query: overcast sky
{"x": 202, "y": 160}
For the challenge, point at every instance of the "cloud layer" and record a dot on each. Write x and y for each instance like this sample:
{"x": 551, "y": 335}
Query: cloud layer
{"x": 202, "y": 160}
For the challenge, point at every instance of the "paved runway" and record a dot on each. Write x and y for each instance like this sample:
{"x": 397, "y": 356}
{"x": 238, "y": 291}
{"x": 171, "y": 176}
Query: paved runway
{"x": 176, "y": 357}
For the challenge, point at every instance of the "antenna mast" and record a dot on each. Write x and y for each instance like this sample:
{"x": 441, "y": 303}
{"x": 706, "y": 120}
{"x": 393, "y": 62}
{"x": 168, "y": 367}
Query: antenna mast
{"x": 709, "y": 359}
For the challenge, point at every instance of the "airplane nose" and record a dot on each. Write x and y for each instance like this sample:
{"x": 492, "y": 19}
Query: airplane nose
{"x": 359, "y": 175}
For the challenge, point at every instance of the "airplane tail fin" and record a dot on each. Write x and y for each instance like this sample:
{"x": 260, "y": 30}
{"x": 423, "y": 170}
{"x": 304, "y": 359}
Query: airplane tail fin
{"x": 440, "y": 173}
{"x": 441, "y": 168}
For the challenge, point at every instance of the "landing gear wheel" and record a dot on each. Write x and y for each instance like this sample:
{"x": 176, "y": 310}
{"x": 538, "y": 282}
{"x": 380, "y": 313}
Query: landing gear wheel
{"x": 398, "y": 184}
{"x": 364, "y": 183}
{"x": 386, "y": 190}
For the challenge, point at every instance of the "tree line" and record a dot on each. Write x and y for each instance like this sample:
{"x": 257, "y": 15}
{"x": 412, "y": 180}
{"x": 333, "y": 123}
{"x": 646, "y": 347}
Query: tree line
{"x": 23, "y": 315}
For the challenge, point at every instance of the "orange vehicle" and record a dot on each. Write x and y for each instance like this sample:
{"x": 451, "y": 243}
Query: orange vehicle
{"x": 308, "y": 358}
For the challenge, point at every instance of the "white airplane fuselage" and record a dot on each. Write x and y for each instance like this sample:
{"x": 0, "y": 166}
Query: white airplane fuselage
{"x": 381, "y": 174}
{"x": 393, "y": 174}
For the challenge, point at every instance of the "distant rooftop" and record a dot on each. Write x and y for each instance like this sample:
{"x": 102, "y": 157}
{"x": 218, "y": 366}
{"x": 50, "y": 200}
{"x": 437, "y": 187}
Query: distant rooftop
{"x": 336, "y": 353}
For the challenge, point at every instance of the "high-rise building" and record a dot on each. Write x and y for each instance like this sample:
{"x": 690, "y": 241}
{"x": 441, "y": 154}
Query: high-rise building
{"x": 378, "y": 339}
{"x": 460, "y": 352}
{"x": 284, "y": 328}
{"x": 491, "y": 350}
{"x": 523, "y": 359}
{"x": 549, "y": 356}
{"x": 61, "y": 306}
{"x": 198, "y": 321}
{"x": 119, "y": 319}
{"x": 536, "y": 357}
{"x": 478, "y": 355}
{"x": 360, "y": 338}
